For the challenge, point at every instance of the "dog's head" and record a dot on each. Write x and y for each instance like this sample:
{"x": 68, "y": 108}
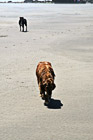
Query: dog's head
{"x": 21, "y": 18}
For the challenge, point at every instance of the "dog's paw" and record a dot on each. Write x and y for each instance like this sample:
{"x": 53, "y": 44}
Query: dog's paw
{"x": 46, "y": 103}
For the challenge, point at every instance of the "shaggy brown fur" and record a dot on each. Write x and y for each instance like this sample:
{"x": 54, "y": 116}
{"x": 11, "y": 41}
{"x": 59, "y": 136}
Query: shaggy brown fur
{"x": 45, "y": 77}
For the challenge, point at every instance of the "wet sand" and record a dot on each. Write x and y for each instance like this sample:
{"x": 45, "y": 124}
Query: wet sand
{"x": 63, "y": 35}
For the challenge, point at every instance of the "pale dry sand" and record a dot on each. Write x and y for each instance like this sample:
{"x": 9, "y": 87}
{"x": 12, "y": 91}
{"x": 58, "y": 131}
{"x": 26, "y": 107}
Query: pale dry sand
{"x": 63, "y": 35}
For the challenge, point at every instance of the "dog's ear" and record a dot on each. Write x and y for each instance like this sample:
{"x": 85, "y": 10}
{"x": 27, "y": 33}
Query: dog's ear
{"x": 53, "y": 86}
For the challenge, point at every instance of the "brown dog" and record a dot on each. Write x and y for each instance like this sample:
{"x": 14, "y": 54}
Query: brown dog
{"x": 45, "y": 77}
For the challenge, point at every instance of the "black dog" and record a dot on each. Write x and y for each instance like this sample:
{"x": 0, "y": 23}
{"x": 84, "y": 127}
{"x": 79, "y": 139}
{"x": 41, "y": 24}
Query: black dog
{"x": 22, "y": 22}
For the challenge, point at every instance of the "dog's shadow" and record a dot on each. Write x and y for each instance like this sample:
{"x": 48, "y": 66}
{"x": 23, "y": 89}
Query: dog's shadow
{"x": 54, "y": 104}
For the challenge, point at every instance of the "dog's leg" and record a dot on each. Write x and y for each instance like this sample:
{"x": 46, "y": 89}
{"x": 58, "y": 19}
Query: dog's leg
{"x": 42, "y": 92}
{"x": 20, "y": 28}
{"x": 48, "y": 97}
{"x": 26, "y": 28}
{"x": 26, "y": 24}
{"x": 23, "y": 27}
{"x": 40, "y": 89}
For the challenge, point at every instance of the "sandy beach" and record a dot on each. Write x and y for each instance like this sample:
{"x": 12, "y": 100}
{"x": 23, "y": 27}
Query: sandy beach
{"x": 62, "y": 35}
